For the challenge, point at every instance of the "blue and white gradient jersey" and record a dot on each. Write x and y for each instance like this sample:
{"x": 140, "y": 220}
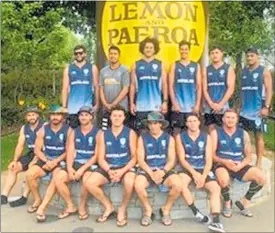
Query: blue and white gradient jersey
{"x": 252, "y": 93}
{"x": 148, "y": 85}
{"x": 81, "y": 87}
{"x": 231, "y": 147}
{"x": 217, "y": 84}
{"x": 185, "y": 85}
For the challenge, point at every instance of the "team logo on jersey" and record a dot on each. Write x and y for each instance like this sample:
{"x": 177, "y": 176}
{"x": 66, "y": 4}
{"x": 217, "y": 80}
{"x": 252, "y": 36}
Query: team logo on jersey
{"x": 122, "y": 142}
{"x": 192, "y": 70}
{"x": 90, "y": 140}
{"x": 109, "y": 143}
{"x": 86, "y": 71}
{"x": 255, "y": 76}
{"x": 61, "y": 137}
{"x": 238, "y": 141}
{"x": 223, "y": 141}
{"x": 155, "y": 66}
{"x": 163, "y": 143}
{"x": 222, "y": 72}
{"x": 258, "y": 123}
{"x": 201, "y": 144}
{"x": 77, "y": 139}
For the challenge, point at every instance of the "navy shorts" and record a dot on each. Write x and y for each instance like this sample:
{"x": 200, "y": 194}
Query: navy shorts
{"x": 210, "y": 177}
{"x": 143, "y": 173}
{"x": 212, "y": 118}
{"x": 234, "y": 175}
{"x": 26, "y": 159}
{"x": 41, "y": 163}
{"x": 178, "y": 120}
{"x": 106, "y": 175}
{"x": 259, "y": 125}
{"x": 73, "y": 121}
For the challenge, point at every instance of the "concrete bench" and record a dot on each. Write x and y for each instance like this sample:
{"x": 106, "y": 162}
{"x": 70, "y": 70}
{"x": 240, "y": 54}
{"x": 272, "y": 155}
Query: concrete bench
{"x": 157, "y": 199}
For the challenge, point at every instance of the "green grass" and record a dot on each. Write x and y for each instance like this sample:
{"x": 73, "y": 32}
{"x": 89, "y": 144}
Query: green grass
{"x": 8, "y": 144}
{"x": 269, "y": 137}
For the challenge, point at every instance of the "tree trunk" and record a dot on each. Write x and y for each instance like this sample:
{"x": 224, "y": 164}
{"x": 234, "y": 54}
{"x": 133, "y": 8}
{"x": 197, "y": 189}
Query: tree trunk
{"x": 238, "y": 70}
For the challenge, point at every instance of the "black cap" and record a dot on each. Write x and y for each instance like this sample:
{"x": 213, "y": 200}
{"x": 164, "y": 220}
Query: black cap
{"x": 252, "y": 50}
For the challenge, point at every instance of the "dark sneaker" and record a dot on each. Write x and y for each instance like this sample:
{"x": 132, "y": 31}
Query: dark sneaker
{"x": 216, "y": 227}
{"x": 21, "y": 201}
{"x": 203, "y": 218}
{"x": 4, "y": 200}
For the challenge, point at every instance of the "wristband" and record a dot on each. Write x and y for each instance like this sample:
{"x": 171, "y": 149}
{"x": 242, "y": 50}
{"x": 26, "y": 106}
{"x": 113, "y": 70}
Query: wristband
{"x": 165, "y": 171}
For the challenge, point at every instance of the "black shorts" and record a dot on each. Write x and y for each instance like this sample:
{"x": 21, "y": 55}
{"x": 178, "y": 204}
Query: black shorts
{"x": 106, "y": 175}
{"x": 212, "y": 118}
{"x": 73, "y": 121}
{"x": 143, "y": 173}
{"x": 26, "y": 159}
{"x": 178, "y": 120}
{"x": 105, "y": 121}
{"x": 77, "y": 165}
{"x": 253, "y": 125}
{"x": 234, "y": 175}
{"x": 210, "y": 177}
{"x": 41, "y": 163}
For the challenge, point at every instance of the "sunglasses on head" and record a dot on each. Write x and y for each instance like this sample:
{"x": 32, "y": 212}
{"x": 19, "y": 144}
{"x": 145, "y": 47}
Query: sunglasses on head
{"x": 78, "y": 53}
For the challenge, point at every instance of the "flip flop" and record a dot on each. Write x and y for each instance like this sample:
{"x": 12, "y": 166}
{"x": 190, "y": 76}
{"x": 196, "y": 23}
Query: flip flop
{"x": 123, "y": 222}
{"x": 165, "y": 218}
{"x": 244, "y": 211}
{"x": 66, "y": 214}
{"x": 41, "y": 218}
{"x": 104, "y": 218}
{"x": 32, "y": 209}
{"x": 147, "y": 220}
{"x": 227, "y": 211}
{"x": 83, "y": 216}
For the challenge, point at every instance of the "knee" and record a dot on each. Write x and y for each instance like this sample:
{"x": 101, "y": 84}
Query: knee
{"x": 31, "y": 174}
{"x": 177, "y": 186}
{"x": 261, "y": 179}
{"x": 215, "y": 189}
{"x": 139, "y": 187}
{"x": 224, "y": 183}
{"x": 60, "y": 177}
{"x": 89, "y": 182}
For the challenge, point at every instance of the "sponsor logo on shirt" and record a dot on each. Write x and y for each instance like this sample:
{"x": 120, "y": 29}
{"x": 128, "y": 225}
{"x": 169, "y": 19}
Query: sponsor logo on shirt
{"x": 109, "y": 143}
{"x": 210, "y": 73}
{"x": 73, "y": 72}
{"x": 244, "y": 77}
{"x": 77, "y": 139}
{"x": 179, "y": 70}
{"x": 149, "y": 145}
{"x": 142, "y": 67}
{"x": 48, "y": 137}
{"x": 223, "y": 141}
{"x": 27, "y": 136}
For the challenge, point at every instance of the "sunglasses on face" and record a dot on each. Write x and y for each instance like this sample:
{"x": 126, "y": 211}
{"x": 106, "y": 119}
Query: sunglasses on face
{"x": 78, "y": 53}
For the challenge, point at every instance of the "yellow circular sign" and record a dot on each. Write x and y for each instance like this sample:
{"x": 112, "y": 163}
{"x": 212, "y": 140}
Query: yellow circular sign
{"x": 126, "y": 24}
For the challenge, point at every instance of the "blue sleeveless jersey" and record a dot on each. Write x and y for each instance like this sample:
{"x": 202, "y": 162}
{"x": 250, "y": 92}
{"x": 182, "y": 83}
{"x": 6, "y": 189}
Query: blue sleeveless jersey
{"x": 81, "y": 87}
{"x": 185, "y": 85}
{"x": 194, "y": 150}
{"x": 231, "y": 147}
{"x": 156, "y": 150}
{"x": 118, "y": 152}
{"x": 217, "y": 84}
{"x": 252, "y": 92}
{"x": 149, "y": 86}
{"x": 30, "y": 134}
{"x": 55, "y": 143}
{"x": 85, "y": 144}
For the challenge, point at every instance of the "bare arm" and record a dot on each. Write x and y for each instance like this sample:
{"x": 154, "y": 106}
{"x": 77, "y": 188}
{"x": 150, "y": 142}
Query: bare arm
{"x": 171, "y": 83}
{"x": 216, "y": 158}
{"x": 208, "y": 157}
{"x": 247, "y": 150}
{"x": 181, "y": 155}
{"x": 205, "y": 88}
{"x": 70, "y": 151}
{"x": 132, "y": 88}
{"x": 268, "y": 86}
{"x": 20, "y": 145}
{"x": 198, "y": 87}
{"x": 171, "y": 155}
{"x": 39, "y": 143}
{"x": 231, "y": 80}
{"x": 102, "y": 97}
{"x": 141, "y": 158}
{"x": 96, "y": 85}
{"x": 101, "y": 153}
{"x": 65, "y": 87}
{"x": 164, "y": 83}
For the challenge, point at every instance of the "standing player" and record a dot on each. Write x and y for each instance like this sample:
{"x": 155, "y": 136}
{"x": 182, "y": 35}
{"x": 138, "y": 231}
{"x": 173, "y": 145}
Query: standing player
{"x": 80, "y": 85}
{"x": 218, "y": 87}
{"x": 185, "y": 88}
{"x": 256, "y": 96}
{"x": 149, "y": 88}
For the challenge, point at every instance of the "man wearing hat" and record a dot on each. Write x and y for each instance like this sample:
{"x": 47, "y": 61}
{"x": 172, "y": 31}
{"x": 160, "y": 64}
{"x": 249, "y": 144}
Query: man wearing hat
{"x": 194, "y": 150}
{"x": 116, "y": 158}
{"x": 256, "y": 96}
{"x": 81, "y": 159}
{"x": 156, "y": 158}
{"x": 27, "y": 136}
{"x": 50, "y": 149}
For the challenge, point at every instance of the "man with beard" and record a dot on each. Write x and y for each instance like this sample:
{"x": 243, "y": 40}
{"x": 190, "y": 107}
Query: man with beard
{"x": 21, "y": 162}
{"x": 232, "y": 158}
{"x": 116, "y": 158}
{"x": 256, "y": 96}
{"x": 81, "y": 159}
{"x": 50, "y": 149}
{"x": 80, "y": 85}
{"x": 149, "y": 88}
{"x": 114, "y": 84}
{"x": 156, "y": 158}
{"x": 218, "y": 87}
{"x": 185, "y": 88}
{"x": 194, "y": 149}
